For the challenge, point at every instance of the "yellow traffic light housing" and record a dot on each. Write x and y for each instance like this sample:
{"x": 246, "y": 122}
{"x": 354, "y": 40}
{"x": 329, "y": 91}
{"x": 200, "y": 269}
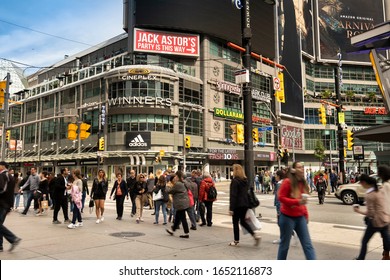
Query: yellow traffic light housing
{"x": 3, "y": 86}
{"x": 280, "y": 153}
{"x": 322, "y": 114}
{"x": 101, "y": 144}
{"x": 234, "y": 132}
{"x": 72, "y": 131}
{"x": 240, "y": 134}
{"x": 188, "y": 142}
{"x": 349, "y": 140}
{"x": 255, "y": 135}
{"x": 84, "y": 134}
{"x": 8, "y": 135}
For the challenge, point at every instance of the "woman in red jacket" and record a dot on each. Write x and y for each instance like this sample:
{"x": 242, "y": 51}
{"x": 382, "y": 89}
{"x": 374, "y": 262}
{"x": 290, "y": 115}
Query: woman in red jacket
{"x": 294, "y": 216}
{"x": 207, "y": 202}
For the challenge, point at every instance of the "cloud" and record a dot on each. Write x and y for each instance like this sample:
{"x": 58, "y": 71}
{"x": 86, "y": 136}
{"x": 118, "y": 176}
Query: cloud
{"x": 85, "y": 24}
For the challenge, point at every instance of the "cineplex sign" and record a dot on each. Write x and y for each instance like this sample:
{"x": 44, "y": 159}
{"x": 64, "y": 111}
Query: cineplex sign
{"x": 166, "y": 42}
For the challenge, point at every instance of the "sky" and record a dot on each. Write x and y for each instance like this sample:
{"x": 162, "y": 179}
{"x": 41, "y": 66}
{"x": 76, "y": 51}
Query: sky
{"x": 83, "y": 23}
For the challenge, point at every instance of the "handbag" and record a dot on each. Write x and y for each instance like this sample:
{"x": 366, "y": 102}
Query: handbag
{"x": 253, "y": 201}
{"x": 191, "y": 197}
{"x": 252, "y": 221}
{"x": 44, "y": 204}
{"x": 91, "y": 203}
{"x": 158, "y": 195}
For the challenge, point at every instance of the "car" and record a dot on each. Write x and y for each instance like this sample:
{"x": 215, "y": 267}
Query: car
{"x": 353, "y": 193}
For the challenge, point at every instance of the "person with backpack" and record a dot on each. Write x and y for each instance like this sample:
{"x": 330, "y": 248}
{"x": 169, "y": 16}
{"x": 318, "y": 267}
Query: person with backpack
{"x": 7, "y": 185}
{"x": 207, "y": 195}
{"x": 321, "y": 186}
{"x": 190, "y": 185}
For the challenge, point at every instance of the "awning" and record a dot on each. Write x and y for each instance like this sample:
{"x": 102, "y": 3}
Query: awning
{"x": 379, "y": 133}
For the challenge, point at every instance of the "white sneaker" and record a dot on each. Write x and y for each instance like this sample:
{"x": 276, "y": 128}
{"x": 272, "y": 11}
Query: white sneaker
{"x": 80, "y": 224}
{"x": 98, "y": 221}
{"x": 101, "y": 218}
{"x": 71, "y": 226}
{"x": 276, "y": 241}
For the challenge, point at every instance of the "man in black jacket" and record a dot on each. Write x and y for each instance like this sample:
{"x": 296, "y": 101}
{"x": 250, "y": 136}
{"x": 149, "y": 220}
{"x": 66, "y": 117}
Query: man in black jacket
{"x": 60, "y": 196}
{"x": 130, "y": 182}
{"x": 7, "y": 185}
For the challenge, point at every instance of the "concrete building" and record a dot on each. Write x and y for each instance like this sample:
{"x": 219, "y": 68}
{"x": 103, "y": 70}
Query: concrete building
{"x": 168, "y": 83}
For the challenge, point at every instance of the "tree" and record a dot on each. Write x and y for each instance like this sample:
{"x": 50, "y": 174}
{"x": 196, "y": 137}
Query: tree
{"x": 319, "y": 151}
{"x": 326, "y": 94}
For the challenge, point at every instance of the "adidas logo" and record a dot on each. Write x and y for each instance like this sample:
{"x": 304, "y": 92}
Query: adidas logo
{"x": 138, "y": 141}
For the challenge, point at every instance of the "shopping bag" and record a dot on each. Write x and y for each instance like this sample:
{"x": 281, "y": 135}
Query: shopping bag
{"x": 45, "y": 204}
{"x": 252, "y": 221}
{"x": 158, "y": 195}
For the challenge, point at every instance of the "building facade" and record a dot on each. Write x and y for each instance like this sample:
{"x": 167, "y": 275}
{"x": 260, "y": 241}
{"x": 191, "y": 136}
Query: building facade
{"x": 147, "y": 99}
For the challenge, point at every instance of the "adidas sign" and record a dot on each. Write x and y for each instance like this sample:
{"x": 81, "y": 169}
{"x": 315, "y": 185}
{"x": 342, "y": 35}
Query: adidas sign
{"x": 138, "y": 141}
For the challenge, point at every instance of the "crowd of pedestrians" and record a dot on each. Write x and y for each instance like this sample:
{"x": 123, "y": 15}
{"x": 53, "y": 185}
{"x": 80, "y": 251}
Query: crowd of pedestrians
{"x": 186, "y": 201}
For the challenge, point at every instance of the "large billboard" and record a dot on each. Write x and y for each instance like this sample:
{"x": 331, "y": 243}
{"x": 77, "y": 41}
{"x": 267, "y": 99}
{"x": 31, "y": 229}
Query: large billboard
{"x": 339, "y": 20}
{"x": 216, "y": 18}
{"x": 291, "y": 28}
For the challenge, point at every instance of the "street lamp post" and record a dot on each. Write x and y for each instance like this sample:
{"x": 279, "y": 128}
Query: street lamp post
{"x": 247, "y": 94}
{"x": 340, "y": 135}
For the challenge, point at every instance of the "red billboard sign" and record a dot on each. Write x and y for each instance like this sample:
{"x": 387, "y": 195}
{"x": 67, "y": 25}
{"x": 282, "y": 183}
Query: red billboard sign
{"x": 166, "y": 42}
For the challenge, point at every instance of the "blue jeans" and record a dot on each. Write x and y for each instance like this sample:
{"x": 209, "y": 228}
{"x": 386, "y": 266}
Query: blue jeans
{"x": 257, "y": 186}
{"x": 157, "y": 205}
{"x": 4, "y": 232}
{"x": 287, "y": 225}
{"x": 17, "y": 199}
{"x": 191, "y": 215}
{"x": 76, "y": 214}
{"x": 83, "y": 200}
{"x": 370, "y": 230}
{"x": 31, "y": 196}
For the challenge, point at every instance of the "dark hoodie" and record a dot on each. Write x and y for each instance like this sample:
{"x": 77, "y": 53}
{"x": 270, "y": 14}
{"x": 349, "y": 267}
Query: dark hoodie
{"x": 238, "y": 194}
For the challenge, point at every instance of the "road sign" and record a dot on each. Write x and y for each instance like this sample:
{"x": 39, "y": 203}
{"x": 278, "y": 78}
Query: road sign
{"x": 166, "y": 42}
{"x": 276, "y": 83}
{"x": 265, "y": 128}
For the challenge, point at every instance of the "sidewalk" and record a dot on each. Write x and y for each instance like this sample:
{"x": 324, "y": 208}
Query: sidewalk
{"x": 113, "y": 239}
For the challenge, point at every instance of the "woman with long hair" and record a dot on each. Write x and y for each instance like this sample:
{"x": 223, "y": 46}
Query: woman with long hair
{"x": 239, "y": 205}
{"x": 43, "y": 190}
{"x": 98, "y": 194}
{"x": 181, "y": 202}
{"x": 293, "y": 195}
{"x": 161, "y": 185}
{"x": 376, "y": 216}
{"x": 120, "y": 190}
{"x": 76, "y": 188}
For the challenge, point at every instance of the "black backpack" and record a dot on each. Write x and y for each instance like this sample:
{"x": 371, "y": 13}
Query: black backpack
{"x": 212, "y": 193}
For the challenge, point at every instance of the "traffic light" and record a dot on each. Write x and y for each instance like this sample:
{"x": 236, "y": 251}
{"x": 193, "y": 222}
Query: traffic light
{"x": 345, "y": 152}
{"x": 188, "y": 142}
{"x": 3, "y": 85}
{"x": 322, "y": 114}
{"x": 255, "y": 135}
{"x": 279, "y": 94}
{"x": 240, "y": 134}
{"x": 280, "y": 153}
{"x": 8, "y": 135}
{"x": 84, "y": 134}
{"x": 349, "y": 139}
{"x": 234, "y": 132}
{"x": 101, "y": 144}
{"x": 285, "y": 157}
{"x": 72, "y": 131}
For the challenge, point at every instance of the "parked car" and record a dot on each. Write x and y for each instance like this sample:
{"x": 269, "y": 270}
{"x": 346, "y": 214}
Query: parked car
{"x": 353, "y": 193}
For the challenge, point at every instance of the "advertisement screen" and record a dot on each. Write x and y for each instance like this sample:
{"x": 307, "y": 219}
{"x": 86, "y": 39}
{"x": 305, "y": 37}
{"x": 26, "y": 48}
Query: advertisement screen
{"x": 290, "y": 31}
{"x": 216, "y": 18}
{"x": 339, "y": 20}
